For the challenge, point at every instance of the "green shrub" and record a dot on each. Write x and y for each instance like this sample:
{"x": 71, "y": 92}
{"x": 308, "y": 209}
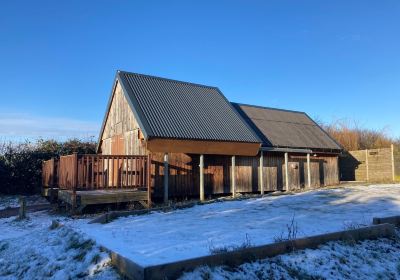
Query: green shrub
{"x": 21, "y": 163}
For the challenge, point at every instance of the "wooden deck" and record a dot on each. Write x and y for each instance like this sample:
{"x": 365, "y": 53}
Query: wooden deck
{"x": 84, "y": 198}
{"x": 50, "y": 193}
{"x": 81, "y": 180}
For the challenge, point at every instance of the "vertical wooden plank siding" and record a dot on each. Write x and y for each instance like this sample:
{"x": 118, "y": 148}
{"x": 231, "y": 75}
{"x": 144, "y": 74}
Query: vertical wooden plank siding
{"x": 393, "y": 167}
{"x": 184, "y": 175}
{"x": 121, "y": 122}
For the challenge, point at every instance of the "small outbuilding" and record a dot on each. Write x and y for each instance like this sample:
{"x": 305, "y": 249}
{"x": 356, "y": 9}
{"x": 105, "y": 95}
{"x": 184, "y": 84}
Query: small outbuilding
{"x": 163, "y": 138}
{"x": 210, "y": 144}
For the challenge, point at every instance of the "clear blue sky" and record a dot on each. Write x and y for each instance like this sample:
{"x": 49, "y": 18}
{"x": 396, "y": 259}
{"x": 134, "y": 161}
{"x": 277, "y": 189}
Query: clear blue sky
{"x": 332, "y": 59}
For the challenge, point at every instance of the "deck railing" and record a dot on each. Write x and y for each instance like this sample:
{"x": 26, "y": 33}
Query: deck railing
{"x": 50, "y": 173}
{"x": 97, "y": 172}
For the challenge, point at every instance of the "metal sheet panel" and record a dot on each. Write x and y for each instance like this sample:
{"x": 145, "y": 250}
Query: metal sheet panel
{"x": 284, "y": 128}
{"x": 181, "y": 110}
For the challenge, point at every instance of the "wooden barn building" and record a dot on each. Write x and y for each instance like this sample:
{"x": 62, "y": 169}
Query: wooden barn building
{"x": 199, "y": 144}
{"x": 187, "y": 127}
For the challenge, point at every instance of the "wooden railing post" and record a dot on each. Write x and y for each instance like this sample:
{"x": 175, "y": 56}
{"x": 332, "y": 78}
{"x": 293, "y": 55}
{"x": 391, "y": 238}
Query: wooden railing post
{"x": 53, "y": 177}
{"x": 148, "y": 175}
{"x": 75, "y": 181}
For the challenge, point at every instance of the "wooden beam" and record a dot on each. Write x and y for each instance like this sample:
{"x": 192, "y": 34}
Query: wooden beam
{"x": 162, "y": 145}
{"x": 201, "y": 177}
{"x": 308, "y": 171}
{"x": 233, "y": 176}
{"x": 260, "y": 173}
{"x": 166, "y": 175}
{"x": 286, "y": 171}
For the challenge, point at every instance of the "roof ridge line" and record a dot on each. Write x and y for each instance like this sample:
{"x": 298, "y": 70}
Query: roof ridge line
{"x": 271, "y": 108}
{"x": 313, "y": 124}
{"x": 166, "y": 79}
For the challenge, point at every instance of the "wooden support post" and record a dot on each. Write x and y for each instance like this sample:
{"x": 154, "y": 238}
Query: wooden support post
{"x": 166, "y": 174}
{"x": 366, "y": 164}
{"x": 308, "y": 171}
{"x": 260, "y": 173}
{"x": 393, "y": 170}
{"x": 286, "y": 171}
{"x": 22, "y": 208}
{"x": 233, "y": 176}
{"x": 201, "y": 177}
{"x": 148, "y": 180}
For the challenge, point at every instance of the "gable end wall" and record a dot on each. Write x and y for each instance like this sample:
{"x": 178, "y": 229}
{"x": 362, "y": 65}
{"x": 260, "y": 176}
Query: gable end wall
{"x": 121, "y": 121}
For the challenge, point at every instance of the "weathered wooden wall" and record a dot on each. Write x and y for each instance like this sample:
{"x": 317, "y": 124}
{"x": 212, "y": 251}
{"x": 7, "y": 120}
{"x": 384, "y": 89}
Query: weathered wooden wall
{"x": 121, "y": 123}
{"x": 367, "y": 165}
{"x": 396, "y": 159}
{"x": 184, "y": 173}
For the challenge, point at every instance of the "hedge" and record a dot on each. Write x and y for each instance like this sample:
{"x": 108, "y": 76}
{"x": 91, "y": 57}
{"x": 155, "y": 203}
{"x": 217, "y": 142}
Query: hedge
{"x": 21, "y": 163}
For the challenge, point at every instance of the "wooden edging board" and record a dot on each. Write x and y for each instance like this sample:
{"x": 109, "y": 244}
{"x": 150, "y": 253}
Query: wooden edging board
{"x": 394, "y": 220}
{"x": 108, "y": 217}
{"x": 175, "y": 269}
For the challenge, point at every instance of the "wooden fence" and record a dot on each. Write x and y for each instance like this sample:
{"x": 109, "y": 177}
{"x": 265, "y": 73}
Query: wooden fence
{"x": 374, "y": 165}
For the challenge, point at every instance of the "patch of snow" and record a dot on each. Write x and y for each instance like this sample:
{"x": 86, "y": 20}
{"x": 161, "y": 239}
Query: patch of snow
{"x": 12, "y": 228}
{"x": 369, "y": 259}
{"x": 29, "y": 249}
{"x": 8, "y": 201}
{"x": 166, "y": 237}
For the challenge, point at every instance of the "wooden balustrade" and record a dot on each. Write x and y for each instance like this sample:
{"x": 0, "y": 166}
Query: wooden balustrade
{"x": 50, "y": 173}
{"x": 94, "y": 172}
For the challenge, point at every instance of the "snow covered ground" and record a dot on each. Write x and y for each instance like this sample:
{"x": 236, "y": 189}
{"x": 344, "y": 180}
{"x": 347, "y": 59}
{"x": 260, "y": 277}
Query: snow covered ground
{"x": 30, "y": 249}
{"x": 369, "y": 259}
{"x": 165, "y": 237}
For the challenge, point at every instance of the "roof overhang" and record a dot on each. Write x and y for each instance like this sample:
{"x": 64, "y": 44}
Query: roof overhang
{"x": 166, "y": 145}
{"x": 300, "y": 150}
{"x": 286, "y": 150}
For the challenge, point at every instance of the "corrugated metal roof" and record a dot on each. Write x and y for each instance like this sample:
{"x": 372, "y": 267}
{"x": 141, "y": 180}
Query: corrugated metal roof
{"x": 283, "y": 128}
{"x": 174, "y": 109}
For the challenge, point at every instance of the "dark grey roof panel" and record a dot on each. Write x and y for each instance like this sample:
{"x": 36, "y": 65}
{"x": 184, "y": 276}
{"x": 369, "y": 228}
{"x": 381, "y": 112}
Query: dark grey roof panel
{"x": 283, "y": 128}
{"x": 181, "y": 110}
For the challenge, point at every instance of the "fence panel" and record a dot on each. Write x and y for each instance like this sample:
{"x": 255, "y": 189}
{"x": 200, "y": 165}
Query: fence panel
{"x": 49, "y": 173}
{"x": 374, "y": 165}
